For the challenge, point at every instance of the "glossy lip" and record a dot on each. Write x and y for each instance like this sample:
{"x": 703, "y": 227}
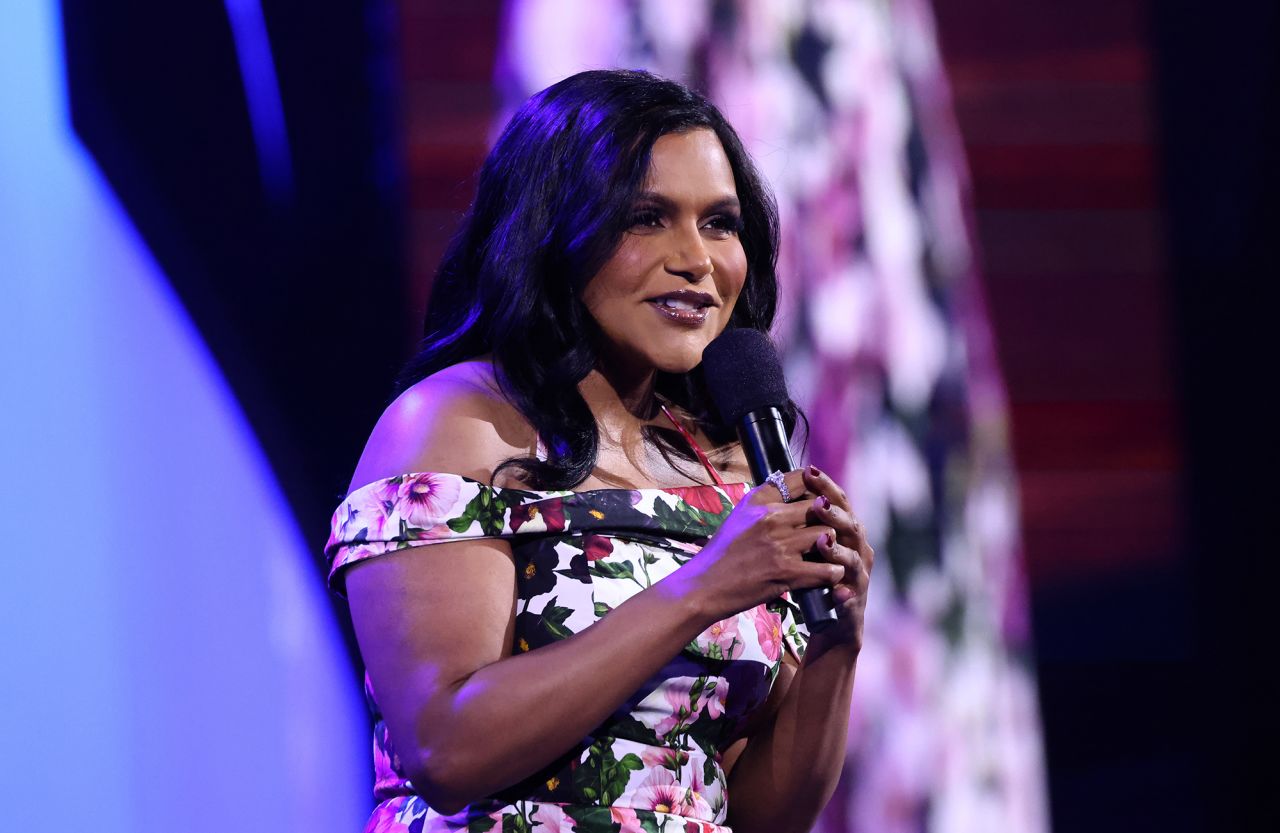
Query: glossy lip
{"x": 689, "y": 296}
{"x": 681, "y": 316}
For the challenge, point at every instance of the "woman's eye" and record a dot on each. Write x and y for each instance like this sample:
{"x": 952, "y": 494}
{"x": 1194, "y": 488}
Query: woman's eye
{"x": 725, "y": 224}
{"x": 648, "y": 219}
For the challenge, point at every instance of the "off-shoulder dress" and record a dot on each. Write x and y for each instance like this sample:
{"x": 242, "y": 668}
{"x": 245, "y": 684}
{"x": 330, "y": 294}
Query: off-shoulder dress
{"x": 655, "y": 764}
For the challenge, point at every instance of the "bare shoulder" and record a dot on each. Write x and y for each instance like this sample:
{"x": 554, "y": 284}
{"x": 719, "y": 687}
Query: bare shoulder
{"x": 454, "y": 421}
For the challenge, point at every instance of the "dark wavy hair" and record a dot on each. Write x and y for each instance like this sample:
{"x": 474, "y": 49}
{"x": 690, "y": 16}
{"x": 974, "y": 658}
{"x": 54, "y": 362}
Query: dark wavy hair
{"x": 555, "y": 197}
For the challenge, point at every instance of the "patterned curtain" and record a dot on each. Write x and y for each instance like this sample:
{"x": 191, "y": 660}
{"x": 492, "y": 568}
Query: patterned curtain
{"x": 844, "y": 105}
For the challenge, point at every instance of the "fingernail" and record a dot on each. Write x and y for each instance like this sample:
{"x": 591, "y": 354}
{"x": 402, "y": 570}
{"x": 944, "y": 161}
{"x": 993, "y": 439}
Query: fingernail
{"x": 814, "y": 472}
{"x": 823, "y": 502}
{"x": 828, "y": 540}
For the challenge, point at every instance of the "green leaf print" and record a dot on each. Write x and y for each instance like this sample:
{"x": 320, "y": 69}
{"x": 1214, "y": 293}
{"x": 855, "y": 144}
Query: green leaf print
{"x": 695, "y": 691}
{"x": 493, "y": 515}
{"x": 650, "y": 824}
{"x": 553, "y": 619}
{"x": 464, "y": 521}
{"x": 514, "y": 824}
{"x": 709, "y": 774}
{"x": 632, "y": 729}
{"x": 592, "y": 819}
{"x": 680, "y": 517}
{"x": 602, "y": 609}
{"x": 481, "y": 824}
{"x": 602, "y": 777}
{"x": 612, "y": 569}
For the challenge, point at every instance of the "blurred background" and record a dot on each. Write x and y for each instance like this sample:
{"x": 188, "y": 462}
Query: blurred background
{"x": 1026, "y": 253}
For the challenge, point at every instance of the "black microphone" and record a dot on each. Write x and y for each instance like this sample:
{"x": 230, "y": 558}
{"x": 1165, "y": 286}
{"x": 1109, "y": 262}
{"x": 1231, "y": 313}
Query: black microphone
{"x": 744, "y": 375}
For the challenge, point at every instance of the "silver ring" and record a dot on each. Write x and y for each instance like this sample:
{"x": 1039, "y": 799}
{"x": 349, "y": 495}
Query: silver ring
{"x": 779, "y": 481}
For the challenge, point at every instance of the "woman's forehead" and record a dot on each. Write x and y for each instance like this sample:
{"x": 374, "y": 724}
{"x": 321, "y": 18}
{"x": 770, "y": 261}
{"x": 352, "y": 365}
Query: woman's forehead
{"x": 690, "y": 163}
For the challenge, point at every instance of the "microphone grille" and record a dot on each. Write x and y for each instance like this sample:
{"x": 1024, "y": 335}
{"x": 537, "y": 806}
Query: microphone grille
{"x": 743, "y": 373}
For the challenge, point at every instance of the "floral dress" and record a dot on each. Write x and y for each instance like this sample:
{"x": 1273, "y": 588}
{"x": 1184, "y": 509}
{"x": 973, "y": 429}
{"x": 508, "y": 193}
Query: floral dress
{"x": 655, "y": 764}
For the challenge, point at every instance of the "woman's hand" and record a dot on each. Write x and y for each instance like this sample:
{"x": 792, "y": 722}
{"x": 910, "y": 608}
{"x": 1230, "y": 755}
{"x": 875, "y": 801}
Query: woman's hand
{"x": 787, "y": 768}
{"x": 849, "y": 548}
{"x": 758, "y": 553}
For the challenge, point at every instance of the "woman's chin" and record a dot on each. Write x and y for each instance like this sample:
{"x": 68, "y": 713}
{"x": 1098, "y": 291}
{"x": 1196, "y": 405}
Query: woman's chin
{"x": 678, "y": 364}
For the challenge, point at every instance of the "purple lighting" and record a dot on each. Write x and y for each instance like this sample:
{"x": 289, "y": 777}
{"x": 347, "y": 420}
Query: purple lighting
{"x": 262, "y": 92}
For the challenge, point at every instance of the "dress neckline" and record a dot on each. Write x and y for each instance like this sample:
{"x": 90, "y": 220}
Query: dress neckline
{"x": 558, "y": 493}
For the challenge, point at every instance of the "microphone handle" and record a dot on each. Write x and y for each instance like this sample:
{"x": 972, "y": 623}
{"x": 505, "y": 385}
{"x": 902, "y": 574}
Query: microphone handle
{"x": 764, "y": 438}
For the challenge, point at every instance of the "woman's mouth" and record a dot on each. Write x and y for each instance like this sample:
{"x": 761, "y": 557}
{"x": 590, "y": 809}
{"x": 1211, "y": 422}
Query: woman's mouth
{"x": 683, "y": 306}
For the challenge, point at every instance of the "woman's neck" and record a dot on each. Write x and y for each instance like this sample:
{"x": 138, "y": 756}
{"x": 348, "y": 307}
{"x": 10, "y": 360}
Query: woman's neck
{"x": 620, "y": 400}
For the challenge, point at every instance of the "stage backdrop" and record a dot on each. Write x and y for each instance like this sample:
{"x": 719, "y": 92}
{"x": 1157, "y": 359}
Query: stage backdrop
{"x": 170, "y": 660}
{"x": 844, "y": 105}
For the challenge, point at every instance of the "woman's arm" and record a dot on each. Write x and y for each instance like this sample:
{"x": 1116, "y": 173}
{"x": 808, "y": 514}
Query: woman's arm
{"x": 435, "y": 624}
{"x": 466, "y": 717}
{"x": 785, "y": 773}
{"x": 781, "y": 778}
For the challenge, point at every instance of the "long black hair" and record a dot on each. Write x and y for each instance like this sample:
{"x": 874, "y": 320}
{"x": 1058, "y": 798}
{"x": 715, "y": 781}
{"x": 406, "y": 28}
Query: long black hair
{"x": 554, "y": 199}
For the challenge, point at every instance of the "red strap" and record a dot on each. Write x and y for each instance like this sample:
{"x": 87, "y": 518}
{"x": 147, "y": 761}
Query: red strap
{"x": 697, "y": 449}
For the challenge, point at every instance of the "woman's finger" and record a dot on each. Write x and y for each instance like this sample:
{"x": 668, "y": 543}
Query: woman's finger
{"x": 796, "y": 489}
{"x": 848, "y": 528}
{"x": 805, "y": 574}
{"x": 808, "y": 539}
{"x": 820, "y": 483}
{"x": 793, "y": 515}
{"x": 856, "y": 574}
{"x": 823, "y": 542}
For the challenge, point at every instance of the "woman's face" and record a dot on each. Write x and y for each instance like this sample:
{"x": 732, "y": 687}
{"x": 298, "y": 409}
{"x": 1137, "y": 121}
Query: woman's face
{"x": 670, "y": 287}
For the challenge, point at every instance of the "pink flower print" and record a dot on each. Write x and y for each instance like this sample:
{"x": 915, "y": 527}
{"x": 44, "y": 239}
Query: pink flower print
{"x": 425, "y": 499}
{"x": 386, "y": 491}
{"x": 697, "y": 806}
{"x": 694, "y": 801}
{"x": 359, "y": 512}
{"x": 713, "y": 700}
{"x": 626, "y": 817}
{"x": 769, "y": 630}
{"x": 694, "y": 826}
{"x": 346, "y": 522}
{"x": 725, "y": 634}
{"x": 661, "y": 793}
{"x": 698, "y": 785}
{"x": 664, "y": 756}
{"x": 551, "y": 817}
{"x": 678, "y": 696}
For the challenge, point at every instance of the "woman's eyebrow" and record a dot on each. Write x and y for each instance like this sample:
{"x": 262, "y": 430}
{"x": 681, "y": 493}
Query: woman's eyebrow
{"x": 726, "y": 203}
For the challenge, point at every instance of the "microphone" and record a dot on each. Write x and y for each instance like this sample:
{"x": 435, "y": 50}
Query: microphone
{"x": 744, "y": 375}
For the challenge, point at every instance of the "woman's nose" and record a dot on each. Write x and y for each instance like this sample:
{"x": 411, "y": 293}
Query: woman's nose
{"x": 689, "y": 258}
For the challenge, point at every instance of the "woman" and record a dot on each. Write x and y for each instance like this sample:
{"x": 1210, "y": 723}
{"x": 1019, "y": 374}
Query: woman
{"x": 570, "y": 620}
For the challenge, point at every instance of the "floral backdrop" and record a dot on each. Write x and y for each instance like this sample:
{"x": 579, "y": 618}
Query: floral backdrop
{"x": 844, "y": 105}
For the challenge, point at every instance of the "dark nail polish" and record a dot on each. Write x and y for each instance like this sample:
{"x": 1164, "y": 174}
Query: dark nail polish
{"x": 814, "y": 472}
{"x": 823, "y": 502}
